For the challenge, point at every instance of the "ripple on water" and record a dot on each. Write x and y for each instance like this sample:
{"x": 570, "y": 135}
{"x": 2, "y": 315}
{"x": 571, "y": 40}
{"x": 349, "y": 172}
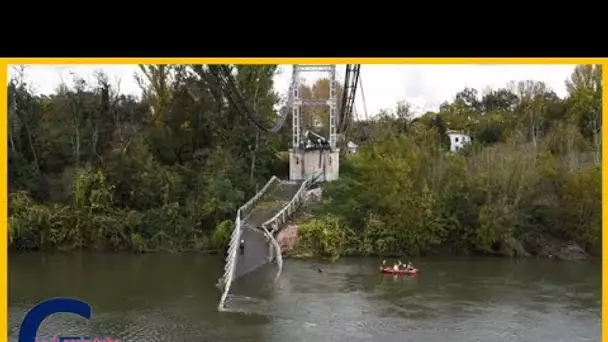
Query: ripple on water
{"x": 247, "y": 305}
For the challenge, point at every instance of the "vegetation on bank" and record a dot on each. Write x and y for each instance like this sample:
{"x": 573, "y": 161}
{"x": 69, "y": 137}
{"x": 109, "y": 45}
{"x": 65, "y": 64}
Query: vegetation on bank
{"x": 530, "y": 183}
{"x": 90, "y": 168}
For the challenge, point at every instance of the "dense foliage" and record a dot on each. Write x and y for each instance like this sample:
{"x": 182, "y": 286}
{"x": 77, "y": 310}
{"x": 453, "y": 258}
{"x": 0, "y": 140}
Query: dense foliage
{"x": 530, "y": 183}
{"x": 92, "y": 168}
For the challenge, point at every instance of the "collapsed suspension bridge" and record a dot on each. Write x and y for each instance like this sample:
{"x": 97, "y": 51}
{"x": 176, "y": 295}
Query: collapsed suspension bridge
{"x": 313, "y": 158}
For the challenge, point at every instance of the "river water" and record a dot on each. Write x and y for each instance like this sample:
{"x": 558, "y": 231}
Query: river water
{"x": 160, "y": 297}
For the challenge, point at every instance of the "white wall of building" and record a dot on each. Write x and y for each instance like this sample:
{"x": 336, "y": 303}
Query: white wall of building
{"x": 458, "y": 140}
{"x": 352, "y": 147}
{"x": 303, "y": 164}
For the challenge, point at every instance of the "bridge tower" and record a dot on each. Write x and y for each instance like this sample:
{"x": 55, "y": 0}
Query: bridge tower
{"x": 310, "y": 152}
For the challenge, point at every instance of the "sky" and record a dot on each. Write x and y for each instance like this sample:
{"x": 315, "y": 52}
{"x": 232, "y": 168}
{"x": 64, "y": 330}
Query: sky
{"x": 424, "y": 87}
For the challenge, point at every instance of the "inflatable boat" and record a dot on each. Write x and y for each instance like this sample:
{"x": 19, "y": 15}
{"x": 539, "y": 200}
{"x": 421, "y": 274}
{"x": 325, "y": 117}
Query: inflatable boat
{"x": 390, "y": 270}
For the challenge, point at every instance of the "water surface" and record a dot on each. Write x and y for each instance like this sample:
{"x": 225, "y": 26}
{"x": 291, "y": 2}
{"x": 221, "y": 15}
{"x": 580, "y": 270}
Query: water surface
{"x": 165, "y": 297}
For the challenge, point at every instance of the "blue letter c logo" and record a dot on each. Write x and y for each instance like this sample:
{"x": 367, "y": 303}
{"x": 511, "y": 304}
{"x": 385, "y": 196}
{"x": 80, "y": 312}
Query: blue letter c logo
{"x": 33, "y": 319}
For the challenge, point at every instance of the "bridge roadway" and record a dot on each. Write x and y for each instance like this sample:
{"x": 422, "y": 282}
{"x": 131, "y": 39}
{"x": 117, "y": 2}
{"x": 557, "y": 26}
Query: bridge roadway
{"x": 257, "y": 249}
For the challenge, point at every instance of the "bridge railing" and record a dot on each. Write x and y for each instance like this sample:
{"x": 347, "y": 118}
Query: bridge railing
{"x": 273, "y": 224}
{"x": 269, "y": 227}
{"x": 229, "y": 269}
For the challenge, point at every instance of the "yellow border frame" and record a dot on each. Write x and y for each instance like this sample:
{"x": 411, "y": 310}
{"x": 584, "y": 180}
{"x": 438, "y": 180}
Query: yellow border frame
{"x": 319, "y": 60}
{"x": 4, "y": 62}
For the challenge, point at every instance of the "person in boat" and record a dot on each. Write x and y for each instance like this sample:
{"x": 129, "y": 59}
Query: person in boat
{"x": 396, "y": 267}
{"x": 409, "y": 266}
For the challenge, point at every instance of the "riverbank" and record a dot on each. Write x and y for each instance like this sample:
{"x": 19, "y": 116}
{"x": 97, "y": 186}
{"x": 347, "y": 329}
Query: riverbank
{"x": 559, "y": 250}
{"x": 172, "y": 228}
{"x": 348, "y": 218}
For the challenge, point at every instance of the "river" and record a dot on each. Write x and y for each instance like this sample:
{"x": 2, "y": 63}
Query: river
{"x": 167, "y": 297}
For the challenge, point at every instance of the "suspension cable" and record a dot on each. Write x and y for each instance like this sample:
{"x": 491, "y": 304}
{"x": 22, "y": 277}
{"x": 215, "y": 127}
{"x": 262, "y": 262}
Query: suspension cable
{"x": 363, "y": 97}
{"x": 226, "y": 81}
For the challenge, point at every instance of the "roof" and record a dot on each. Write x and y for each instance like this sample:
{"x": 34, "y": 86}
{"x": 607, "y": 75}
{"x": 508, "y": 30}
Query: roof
{"x": 455, "y": 132}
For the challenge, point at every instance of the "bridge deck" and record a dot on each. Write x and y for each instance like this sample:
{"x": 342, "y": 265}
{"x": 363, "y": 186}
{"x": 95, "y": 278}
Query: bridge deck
{"x": 257, "y": 250}
{"x": 271, "y": 204}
